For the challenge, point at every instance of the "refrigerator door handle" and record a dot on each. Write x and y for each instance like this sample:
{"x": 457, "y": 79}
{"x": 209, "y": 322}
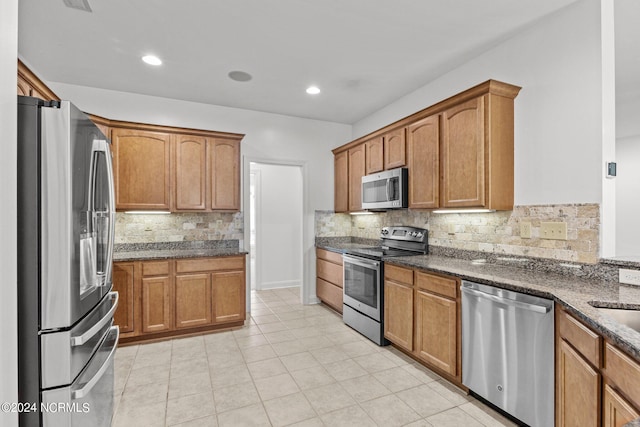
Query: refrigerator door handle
{"x": 84, "y": 391}
{"x": 81, "y": 339}
{"x": 101, "y": 145}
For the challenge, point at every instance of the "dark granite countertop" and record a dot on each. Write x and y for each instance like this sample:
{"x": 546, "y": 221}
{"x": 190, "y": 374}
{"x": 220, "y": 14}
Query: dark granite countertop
{"x": 168, "y": 250}
{"x": 623, "y": 261}
{"x": 573, "y": 291}
{"x": 342, "y": 244}
{"x": 175, "y": 253}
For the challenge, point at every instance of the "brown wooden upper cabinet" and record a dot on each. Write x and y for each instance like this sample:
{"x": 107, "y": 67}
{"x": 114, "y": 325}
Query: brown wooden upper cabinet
{"x": 207, "y": 174}
{"x": 374, "y": 153}
{"x": 395, "y": 149}
{"x": 176, "y": 172}
{"x": 224, "y": 169}
{"x": 341, "y": 182}
{"x": 357, "y": 167}
{"x": 141, "y": 169}
{"x": 190, "y": 177}
{"x": 459, "y": 152}
{"x": 423, "y": 141}
{"x": 30, "y": 85}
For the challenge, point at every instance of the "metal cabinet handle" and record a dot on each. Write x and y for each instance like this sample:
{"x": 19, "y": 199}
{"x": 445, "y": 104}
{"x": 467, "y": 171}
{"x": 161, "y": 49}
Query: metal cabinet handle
{"x": 80, "y": 393}
{"x": 523, "y": 305}
{"x": 89, "y": 333}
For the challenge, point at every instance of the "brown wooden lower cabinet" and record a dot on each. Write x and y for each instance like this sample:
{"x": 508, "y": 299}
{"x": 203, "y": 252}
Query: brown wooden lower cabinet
{"x": 123, "y": 284}
{"x": 617, "y": 411}
{"x": 171, "y": 297}
{"x": 156, "y": 304}
{"x": 398, "y": 307}
{"x": 329, "y": 278}
{"x": 193, "y": 300}
{"x": 422, "y": 317}
{"x": 596, "y": 383}
{"x": 577, "y": 389}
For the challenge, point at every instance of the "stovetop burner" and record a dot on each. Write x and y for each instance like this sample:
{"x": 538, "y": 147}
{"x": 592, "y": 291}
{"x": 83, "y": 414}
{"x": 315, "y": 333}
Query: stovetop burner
{"x": 380, "y": 252}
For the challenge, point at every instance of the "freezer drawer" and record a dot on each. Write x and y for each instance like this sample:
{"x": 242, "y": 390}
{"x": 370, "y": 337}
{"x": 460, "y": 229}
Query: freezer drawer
{"x": 89, "y": 400}
{"x": 65, "y": 353}
{"x": 508, "y": 351}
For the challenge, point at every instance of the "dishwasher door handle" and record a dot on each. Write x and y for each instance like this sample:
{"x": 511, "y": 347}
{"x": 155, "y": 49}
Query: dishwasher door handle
{"x": 518, "y": 304}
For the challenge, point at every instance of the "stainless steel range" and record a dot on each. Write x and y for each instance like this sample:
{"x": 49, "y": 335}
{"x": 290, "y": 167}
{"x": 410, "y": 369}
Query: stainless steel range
{"x": 363, "y": 291}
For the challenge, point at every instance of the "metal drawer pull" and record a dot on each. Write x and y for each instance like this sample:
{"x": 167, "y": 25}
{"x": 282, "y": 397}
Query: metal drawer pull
{"x": 81, "y": 339}
{"x": 79, "y": 394}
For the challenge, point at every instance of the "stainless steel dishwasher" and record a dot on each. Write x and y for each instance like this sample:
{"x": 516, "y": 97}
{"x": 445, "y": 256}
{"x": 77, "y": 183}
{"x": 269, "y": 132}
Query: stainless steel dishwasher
{"x": 508, "y": 351}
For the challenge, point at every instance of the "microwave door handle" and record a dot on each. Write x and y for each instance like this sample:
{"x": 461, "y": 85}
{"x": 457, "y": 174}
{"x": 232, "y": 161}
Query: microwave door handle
{"x": 387, "y": 188}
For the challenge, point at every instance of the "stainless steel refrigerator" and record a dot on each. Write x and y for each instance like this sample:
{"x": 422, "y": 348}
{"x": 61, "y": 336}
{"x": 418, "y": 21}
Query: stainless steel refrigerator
{"x": 66, "y": 219}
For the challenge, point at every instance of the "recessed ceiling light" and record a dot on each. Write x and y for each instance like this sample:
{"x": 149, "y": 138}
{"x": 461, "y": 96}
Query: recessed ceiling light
{"x": 152, "y": 60}
{"x": 239, "y": 76}
{"x": 313, "y": 90}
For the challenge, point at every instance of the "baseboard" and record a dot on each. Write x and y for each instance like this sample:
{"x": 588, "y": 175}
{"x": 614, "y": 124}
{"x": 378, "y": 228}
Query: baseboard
{"x": 279, "y": 285}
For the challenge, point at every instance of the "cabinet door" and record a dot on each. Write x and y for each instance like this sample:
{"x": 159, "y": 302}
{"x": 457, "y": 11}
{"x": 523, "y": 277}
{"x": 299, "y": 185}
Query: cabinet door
{"x": 141, "y": 169}
{"x": 224, "y": 164}
{"x": 356, "y": 172}
{"x": 341, "y": 182}
{"x": 617, "y": 411}
{"x": 423, "y": 140}
{"x": 577, "y": 389}
{"x": 229, "y": 296}
{"x": 123, "y": 279}
{"x": 193, "y": 300}
{"x": 156, "y": 304}
{"x": 374, "y": 154}
{"x": 395, "y": 150}
{"x": 398, "y": 314}
{"x": 463, "y": 155}
{"x": 189, "y": 159}
{"x": 436, "y": 331}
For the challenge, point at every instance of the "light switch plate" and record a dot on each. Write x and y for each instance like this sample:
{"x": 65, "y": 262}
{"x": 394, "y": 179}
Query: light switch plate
{"x": 553, "y": 230}
{"x": 630, "y": 277}
{"x": 525, "y": 230}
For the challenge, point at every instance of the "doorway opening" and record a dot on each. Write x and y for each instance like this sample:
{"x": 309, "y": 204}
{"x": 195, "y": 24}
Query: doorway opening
{"x": 275, "y": 225}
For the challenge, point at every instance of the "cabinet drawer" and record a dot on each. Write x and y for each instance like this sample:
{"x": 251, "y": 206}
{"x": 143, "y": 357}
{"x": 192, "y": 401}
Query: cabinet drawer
{"x": 155, "y": 268}
{"x": 583, "y": 339}
{"x": 329, "y": 294}
{"x": 209, "y": 264}
{"x": 333, "y": 257}
{"x": 437, "y": 284}
{"x": 398, "y": 274}
{"x": 330, "y": 272}
{"x": 623, "y": 372}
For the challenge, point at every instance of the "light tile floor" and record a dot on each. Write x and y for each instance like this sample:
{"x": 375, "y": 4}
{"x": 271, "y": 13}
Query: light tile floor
{"x": 292, "y": 365}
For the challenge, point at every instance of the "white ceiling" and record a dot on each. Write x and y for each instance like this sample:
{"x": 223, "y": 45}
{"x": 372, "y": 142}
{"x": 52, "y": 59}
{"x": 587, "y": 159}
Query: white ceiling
{"x": 363, "y": 54}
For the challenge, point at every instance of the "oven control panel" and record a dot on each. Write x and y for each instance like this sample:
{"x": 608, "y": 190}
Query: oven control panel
{"x": 406, "y": 233}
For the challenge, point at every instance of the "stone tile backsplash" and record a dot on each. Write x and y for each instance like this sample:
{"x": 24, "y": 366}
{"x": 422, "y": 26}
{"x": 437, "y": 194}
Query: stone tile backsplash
{"x": 179, "y": 227}
{"x": 495, "y": 232}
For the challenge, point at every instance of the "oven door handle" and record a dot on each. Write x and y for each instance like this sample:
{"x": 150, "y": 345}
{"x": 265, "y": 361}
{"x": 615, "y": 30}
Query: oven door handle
{"x": 361, "y": 262}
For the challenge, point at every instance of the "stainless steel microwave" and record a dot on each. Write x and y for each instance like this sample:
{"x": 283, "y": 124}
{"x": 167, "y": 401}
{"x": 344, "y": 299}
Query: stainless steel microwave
{"x": 385, "y": 190}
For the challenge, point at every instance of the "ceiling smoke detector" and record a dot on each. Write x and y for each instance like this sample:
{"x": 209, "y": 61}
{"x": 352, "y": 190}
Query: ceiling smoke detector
{"x": 78, "y": 4}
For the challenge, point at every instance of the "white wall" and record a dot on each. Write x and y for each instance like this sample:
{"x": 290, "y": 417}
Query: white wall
{"x": 8, "y": 213}
{"x": 279, "y": 226}
{"x": 558, "y": 113}
{"x": 268, "y": 136}
{"x": 627, "y": 200}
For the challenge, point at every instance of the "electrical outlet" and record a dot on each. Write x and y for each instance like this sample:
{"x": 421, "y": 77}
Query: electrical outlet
{"x": 553, "y": 230}
{"x": 525, "y": 230}
{"x": 451, "y": 229}
{"x": 630, "y": 277}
